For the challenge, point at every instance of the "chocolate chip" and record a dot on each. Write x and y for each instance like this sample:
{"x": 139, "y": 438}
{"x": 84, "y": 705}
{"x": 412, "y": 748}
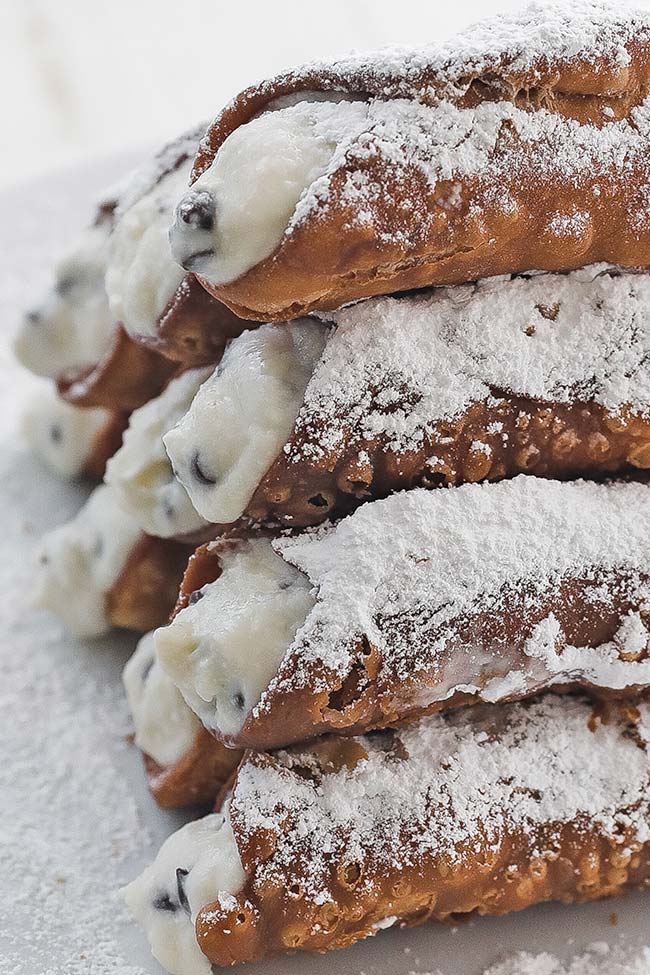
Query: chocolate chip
{"x": 56, "y": 433}
{"x": 65, "y": 285}
{"x": 195, "y": 596}
{"x": 199, "y": 473}
{"x": 318, "y": 501}
{"x": 197, "y": 210}
{"x": 164, "y": 903}
{"x": 285, "y": 584}
{"x": 239, "y": 700}
{"x": 181, "y": 874}
{"x": 169, "y": 510}
{"x": 33, "y": 317}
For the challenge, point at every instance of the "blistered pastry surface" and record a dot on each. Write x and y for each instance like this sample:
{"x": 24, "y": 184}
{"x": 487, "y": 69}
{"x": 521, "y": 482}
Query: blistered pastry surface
{"x": 395, "y": 366}
{"x": 451, "y": 592}
{"x": 460, "y": 138}
{"x": 486, "y": 811}
{"x": 544, "y": 374}
{"x": 392, "y": 798}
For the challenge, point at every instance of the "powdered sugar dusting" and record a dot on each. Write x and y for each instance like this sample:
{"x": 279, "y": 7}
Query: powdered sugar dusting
{"x": 598, "y": 959}
{"x": 402, "y": 572}
{"x": 445, "y": 142}
{"x": 415, "y": 122}
{"x": 395, "y": 367}
{"x": 445, "y": 787}
{"x": 524, "y": 41}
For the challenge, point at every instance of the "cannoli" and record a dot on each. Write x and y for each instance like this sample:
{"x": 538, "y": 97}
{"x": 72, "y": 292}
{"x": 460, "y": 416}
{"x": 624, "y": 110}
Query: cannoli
{"x": 127, "y": 377}
{"x": 486, "y": 811}
{"x": 73, "y": 442}
{"x": 99, "y": 570}
{"x": 521, "y": 143}
{"x": 140, "y": 473}
{"x": 423, "y": 601}
{"x": 545, "y": 375}
{"x": 159, "y": 304}
{"x": 71, "y": 329}
{"x": 72, "y": 337}
{"x": 185, "y": 765}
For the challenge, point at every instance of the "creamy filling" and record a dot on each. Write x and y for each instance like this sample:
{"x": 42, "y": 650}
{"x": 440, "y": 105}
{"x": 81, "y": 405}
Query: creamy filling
{"x": 196, "y": 866}
{"x": 71, "y": 329}
{"x": 165, "y": 728}
{"x": 62, "y": 436}
{"x": 142, "y": 277}
{"x": 81, "y": 560}
{"x": 225, "y": 647}
{"x": 140, "y": 472}
{"x": 237, "y": 212}
{"x": 242, "y": 416}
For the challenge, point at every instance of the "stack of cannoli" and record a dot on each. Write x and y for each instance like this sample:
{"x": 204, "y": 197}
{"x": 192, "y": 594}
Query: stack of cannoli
{"x": 122, "y": 336}
{"x": 409, "y": 662}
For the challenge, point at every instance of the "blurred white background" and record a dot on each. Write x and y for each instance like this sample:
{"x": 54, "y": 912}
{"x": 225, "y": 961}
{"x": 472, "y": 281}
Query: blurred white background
{"x": 86, "y": 78}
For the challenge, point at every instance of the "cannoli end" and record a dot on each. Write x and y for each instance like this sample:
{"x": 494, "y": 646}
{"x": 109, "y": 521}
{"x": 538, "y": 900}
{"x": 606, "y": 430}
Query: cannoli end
{"x": 237, "y": 212}
{"x": 224, "y": 648}
{"x": 242, "y": 415}
{"x": 194, "y": 866}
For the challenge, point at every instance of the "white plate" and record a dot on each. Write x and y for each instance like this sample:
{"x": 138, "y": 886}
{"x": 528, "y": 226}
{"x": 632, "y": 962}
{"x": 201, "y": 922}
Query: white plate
{"x": 76, "y": 820}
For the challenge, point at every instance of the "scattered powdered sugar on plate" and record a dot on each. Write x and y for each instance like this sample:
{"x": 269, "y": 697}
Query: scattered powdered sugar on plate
{"x": 598, "y": 959}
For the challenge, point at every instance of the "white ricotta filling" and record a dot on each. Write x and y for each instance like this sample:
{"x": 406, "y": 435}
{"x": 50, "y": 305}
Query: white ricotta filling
{"x": 61, "y": 435}
{"x": 142, "y": 277}
{"x": 196, "y": 866}
{"x": 242, "y": 416}
{"x": 71, "y": 329}
{"x": 225, "y": 647}
{"x": 140, "y": 472}
{"x": 237, "y": 212}
{"x": 81, "y": 560}
{"x": 165, "y": 727}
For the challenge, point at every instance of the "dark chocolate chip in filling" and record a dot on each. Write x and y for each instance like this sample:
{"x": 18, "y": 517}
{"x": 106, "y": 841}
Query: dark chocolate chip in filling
{"x": 169, "y": 510}
{"x": 195, "y": 596}
{"x": 199, "y": 473}
{"x": 65, "y": 285}
{"x": 284, "y": 584}
{"x": 181, "y": 874}
{"x": 239, "y": 700}
{"x": 33, "y": 317}
{"x": 56, "y": 433}
{"x": 198, "y": 210}
{"x": 164, "y": 903}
